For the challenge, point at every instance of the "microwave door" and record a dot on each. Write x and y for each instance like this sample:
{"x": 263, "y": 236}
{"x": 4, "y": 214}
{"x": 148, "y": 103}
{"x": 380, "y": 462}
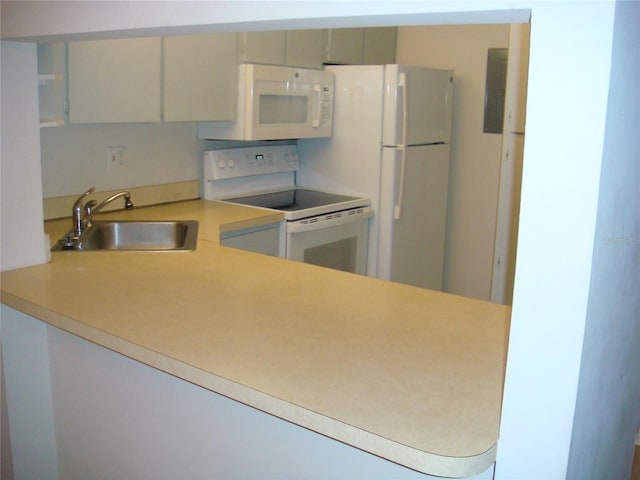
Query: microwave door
{"x": 278, "y": 103}
{"x": 286, "y": 108}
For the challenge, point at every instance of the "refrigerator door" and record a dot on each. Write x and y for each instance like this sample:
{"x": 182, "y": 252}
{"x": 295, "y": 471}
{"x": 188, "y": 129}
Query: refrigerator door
{"x": 418, "y": 105}
{"x": 413, "y": 213}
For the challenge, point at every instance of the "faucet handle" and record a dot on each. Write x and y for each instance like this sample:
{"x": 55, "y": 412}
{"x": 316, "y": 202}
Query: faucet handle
{"x": 88, "y": 192}
{"x": 89, "y": 206}
{"x": 76, "y": 213}
{"x": 78, "y": 202}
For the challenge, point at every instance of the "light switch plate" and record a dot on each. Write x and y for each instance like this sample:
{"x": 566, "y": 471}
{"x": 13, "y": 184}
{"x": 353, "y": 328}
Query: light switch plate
{"x": 115, "y": 157}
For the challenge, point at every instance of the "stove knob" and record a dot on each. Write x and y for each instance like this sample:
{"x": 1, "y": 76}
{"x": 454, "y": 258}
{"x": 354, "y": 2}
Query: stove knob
{"x": 221, "y": 163}
{"x": 231, "y": 163}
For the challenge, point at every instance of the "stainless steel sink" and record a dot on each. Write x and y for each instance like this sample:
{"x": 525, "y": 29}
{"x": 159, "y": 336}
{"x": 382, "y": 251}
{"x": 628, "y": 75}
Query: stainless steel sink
{"x": 181, "y": 235}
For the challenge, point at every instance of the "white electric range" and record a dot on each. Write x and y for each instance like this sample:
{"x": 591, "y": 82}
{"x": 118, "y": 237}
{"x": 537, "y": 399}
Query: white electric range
{"x": 323, "y": 228}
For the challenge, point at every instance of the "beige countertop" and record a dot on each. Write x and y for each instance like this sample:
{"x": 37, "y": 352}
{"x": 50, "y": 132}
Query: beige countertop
{"x": 411, "y": 375}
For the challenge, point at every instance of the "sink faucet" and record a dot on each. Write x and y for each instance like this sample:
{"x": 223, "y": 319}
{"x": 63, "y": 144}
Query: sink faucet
{"x": 83, "y": 213}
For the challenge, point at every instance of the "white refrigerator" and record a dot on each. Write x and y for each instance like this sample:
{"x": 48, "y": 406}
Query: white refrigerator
{"x": 391, "y": 143}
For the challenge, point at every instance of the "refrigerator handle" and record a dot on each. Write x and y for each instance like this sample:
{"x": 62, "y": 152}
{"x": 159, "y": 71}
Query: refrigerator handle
{"x": 402, "y": 83}
{"x": 399, "y": 169}
{"x": 399, "y": 183}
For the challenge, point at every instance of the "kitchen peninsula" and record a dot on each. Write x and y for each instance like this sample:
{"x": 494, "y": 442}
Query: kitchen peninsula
{"x": 409, "y": 375}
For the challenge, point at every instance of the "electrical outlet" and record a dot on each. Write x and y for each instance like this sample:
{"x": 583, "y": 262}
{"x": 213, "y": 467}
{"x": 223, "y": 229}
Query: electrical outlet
{"x": 115, "y": 157}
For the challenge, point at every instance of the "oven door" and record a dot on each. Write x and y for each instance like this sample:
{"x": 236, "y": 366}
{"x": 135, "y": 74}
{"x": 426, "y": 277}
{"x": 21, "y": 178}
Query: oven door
{"x": 337, "y": 240}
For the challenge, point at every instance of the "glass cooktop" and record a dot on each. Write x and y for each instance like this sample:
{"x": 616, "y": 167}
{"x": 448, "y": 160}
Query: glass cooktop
{"x": 300, "y": 202}
{"x": 291, "y": 200}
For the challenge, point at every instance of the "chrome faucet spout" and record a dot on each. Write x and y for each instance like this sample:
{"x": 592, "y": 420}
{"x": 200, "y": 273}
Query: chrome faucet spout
{"x": 128, "y": 204}
{"x": 81, "y": 216}
{"x": 83, "y": 213}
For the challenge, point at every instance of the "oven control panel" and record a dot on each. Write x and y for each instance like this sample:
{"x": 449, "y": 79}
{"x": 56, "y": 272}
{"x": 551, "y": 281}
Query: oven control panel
{"x": 246, "y": 161}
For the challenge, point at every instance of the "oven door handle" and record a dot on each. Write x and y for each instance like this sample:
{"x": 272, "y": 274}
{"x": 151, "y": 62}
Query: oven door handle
{"x": 329, "y": 220}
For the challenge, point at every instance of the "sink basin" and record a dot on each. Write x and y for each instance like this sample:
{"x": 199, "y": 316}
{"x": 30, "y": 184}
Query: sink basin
{"x": 181, "y": 235}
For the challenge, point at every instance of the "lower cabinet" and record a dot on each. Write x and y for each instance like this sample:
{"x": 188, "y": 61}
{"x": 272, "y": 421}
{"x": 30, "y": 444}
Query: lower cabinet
{"x": 264, "y": 239}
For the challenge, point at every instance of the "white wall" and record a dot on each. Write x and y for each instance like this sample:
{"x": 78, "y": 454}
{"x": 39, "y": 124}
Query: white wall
{"x": 570, "y": 62}
{"x": 474, "y": 171}
{"x": 566, "y": 106}
{"x": 21, "y": 231}
{"x": 608, "y": 407}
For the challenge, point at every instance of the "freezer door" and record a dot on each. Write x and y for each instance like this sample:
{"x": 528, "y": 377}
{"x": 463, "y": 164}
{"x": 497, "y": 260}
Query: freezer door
{"x": 418, "y": 105}
{"x": 413, "y": 214}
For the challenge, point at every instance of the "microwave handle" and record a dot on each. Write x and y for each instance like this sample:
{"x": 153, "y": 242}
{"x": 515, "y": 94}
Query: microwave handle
{"x": 317, "y": 93}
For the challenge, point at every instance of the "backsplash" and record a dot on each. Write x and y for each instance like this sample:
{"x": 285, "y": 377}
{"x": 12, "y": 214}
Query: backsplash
{"x": 60, "y": 207}
{"x": 77, "y": 157}
{"x": 158, "y": 162}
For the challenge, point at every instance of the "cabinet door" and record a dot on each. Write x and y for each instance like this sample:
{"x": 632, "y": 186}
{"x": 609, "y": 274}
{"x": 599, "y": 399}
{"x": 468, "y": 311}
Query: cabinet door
{"x": 200, "y": 78}
{"x": 304, "y": 48}
{"x": 114, "y": 80}
{"x": 379, "y": 45}
{"x": 262, "y": 47}
{"x": 344, "y": 46}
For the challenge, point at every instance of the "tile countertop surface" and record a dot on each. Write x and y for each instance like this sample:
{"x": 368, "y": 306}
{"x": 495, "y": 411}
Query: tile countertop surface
{"x": 411, "y": 375}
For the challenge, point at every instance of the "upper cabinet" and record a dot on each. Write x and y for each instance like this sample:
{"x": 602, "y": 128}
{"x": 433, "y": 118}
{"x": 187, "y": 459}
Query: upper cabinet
{"x": 357, "y": 46}
{"x": 199, "y": 77}
{"x": 115, "y": 80}
{"x": 295, "y": 48}
{"x": 343, "y": 46}
{"x": 262, "y": 47}
{"x": 172, "y": 79}
{"x": 191, "y": 78}
{"x": 379, "y": 45}
{"x": 304, "y": 48}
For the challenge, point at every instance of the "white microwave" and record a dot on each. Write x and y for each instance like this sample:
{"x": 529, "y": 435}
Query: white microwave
{"x": 277, "y": 103}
